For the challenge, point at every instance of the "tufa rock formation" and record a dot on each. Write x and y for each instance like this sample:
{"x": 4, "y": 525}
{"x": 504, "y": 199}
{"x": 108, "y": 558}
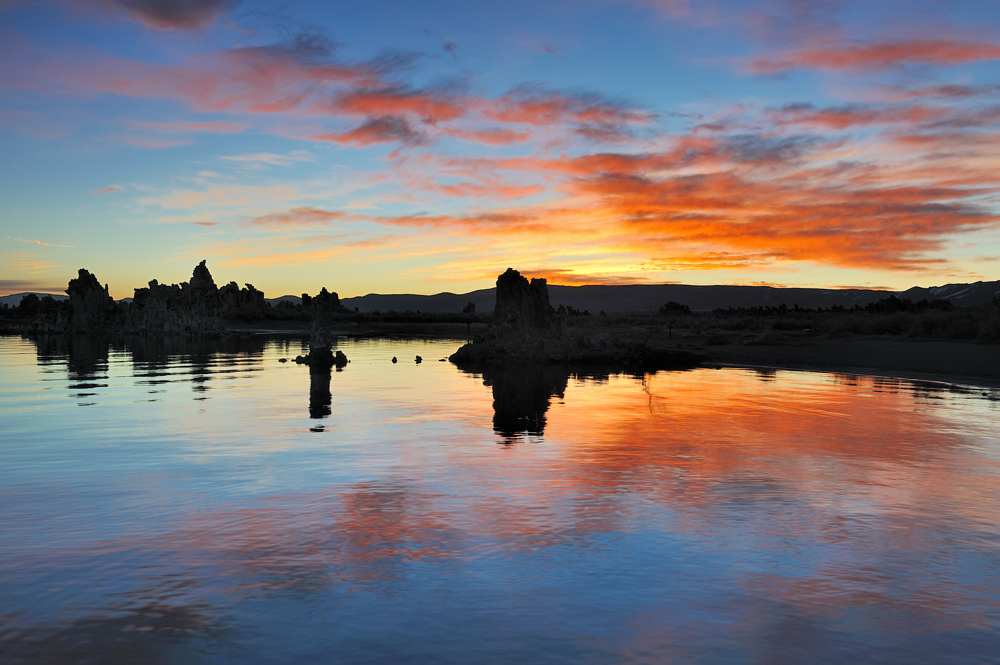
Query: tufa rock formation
{"x": 526, "y": 329}
{"x": 196, "y": 308}
{"x": 193, "y": 308}
{"x": 325, "y": 307}
{"x": 524, "y": 326}
{"x": 91, "y": 307}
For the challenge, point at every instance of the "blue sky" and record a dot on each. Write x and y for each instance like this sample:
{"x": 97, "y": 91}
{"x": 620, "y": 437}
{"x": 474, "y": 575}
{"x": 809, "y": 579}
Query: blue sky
{"x": 425, "y": 147}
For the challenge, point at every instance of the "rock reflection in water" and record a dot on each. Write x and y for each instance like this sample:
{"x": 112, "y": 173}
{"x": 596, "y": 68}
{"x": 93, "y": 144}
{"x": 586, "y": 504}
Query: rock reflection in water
{"x": 143, "y": 634}
{"x": 319, "y": 392}
{"x": 86, "y": 356}
{"x": 521, "y": 396}
{"x": 153, "y": 360}
{"x": 697, "y": 517}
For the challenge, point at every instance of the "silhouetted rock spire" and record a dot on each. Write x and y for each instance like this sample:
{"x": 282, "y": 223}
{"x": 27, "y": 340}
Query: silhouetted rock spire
{"x": 524, "y": 305}
{"x": 524, "y": 326}
{"x": 525, "y": 329}
{"x": 325, "y": 308}
{"x": 92, "y": 309}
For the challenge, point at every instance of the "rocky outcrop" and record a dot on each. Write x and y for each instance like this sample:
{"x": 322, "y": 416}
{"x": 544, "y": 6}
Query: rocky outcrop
{"x": 325, "y": 308}
{"x": 189, "y": 308}
{"x": 91, "y": 307}
{"x": 524, "y": 326}
{"x": 202, "y": 293}
{"x": 527, "y": 330}
{"x": 195, "y": 308}
{"x": 246, "y": 304}
{"x": 161, "y": 309}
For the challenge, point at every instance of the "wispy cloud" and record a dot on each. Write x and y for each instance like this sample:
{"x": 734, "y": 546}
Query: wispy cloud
{"x": 173, "y": 14}
{"x": 27, "y": 264}
{"x": 383, "y": 129}
{"x": 190, "y": 127}
{"x": 258, "y": 160}
{"x": 874, "y": 56}
{"x": 151, "y": 142}
{"x": 12, "y": 286}
{"x": 225, "y": 197}
{"x": 36, "y": 242}
{"x": 303, "y": 216}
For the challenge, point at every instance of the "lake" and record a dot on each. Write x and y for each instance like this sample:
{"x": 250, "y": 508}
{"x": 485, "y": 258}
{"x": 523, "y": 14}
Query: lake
{"x": 203, "y": 502}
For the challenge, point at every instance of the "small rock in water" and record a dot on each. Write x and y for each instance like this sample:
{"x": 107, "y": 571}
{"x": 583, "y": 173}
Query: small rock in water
{"x": 419, "y": 360}
{"x": 394, "y": 361}
{"x": 282, "y": 360}
{"x": 442, "y": 360}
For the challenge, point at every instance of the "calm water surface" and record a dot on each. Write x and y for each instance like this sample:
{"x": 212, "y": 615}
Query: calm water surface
{"x": 206, "y": 503}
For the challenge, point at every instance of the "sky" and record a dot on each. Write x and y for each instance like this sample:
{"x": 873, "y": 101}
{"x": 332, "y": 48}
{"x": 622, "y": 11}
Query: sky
{"x": 421, "y": 147}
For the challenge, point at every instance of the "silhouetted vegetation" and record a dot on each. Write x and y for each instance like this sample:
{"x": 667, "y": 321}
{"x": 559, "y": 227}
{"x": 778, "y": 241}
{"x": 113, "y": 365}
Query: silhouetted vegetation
{"x": 200, "y": 308}
{"x": 892, "y": 316}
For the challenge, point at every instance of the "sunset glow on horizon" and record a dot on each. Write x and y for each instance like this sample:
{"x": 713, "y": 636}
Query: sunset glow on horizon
{"x": 425, "y": 147}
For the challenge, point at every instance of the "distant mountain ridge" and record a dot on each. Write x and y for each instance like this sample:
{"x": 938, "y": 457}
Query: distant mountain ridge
{"x": 14, "y": 299}
{"x": 649, "y": 297}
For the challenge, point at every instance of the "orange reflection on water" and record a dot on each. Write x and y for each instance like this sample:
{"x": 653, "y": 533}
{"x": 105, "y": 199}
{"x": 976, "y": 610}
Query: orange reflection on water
{"x": 783, "y": 504}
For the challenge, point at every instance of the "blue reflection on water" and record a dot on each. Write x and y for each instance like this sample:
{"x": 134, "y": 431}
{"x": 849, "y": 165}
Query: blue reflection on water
{"x": 185, "y": 502}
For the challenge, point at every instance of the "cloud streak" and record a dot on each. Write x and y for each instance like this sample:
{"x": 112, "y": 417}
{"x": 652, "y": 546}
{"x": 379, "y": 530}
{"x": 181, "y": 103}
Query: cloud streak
{"x": 36, "y": 242}
{"x": 875, "y": 56}
{"x": 887, "y": 178}
{"x": 303, "y": 216}
{"x": 174, "y": 14}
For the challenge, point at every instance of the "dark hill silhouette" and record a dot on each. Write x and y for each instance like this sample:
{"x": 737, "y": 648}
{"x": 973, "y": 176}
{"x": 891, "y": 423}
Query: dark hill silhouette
{"x": 14, "y": 299}
{"x": 646, "y": 297}
{"x": 650, "y": 297}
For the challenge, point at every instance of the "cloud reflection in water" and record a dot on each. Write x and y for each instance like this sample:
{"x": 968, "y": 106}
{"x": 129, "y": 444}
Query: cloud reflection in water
{"x": 699, "y": 516}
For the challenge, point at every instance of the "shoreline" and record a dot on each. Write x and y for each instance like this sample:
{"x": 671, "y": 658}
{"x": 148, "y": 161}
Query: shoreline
{"x": 957, "y": 363}
{"x": 966, "y": 364}
{"x": 943, "y": 380}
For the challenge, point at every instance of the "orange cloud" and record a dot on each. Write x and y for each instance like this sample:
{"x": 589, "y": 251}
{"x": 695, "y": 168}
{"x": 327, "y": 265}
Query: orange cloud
{"x": 296, "y": 76}
{"x": 753, "y": 200}
{"x": 843, "y": 117}
{"x": 302, "y": 216}
{"x": 538, "y": 106}
{"x": 493, "y": 136}
{"x": 301, "y": 79}
{"x": 467, "y": 189}
{"x": 500, "y": 221}
{"x": 431, "y": 107}
{"x": 764, "y": 187}
{"x": 877, "y": 55}
{"x": 383, "y": 129}
{"x": 561, "y": 276}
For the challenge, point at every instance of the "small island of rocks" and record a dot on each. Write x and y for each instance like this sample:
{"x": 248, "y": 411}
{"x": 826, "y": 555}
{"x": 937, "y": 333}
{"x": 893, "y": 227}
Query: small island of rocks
{"x": 526, "y": 329}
